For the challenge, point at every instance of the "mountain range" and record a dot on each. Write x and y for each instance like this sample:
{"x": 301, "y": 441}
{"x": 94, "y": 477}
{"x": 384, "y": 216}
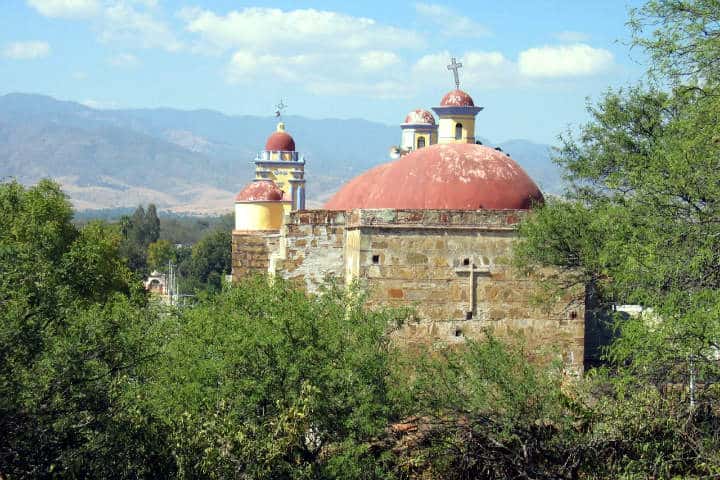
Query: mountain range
{"x": 191, "y": 161}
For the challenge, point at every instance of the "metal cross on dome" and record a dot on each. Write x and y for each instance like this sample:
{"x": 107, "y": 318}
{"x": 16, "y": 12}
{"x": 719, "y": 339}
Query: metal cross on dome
{"x": 455, "y": 66}
{"x": 279, "y": 108}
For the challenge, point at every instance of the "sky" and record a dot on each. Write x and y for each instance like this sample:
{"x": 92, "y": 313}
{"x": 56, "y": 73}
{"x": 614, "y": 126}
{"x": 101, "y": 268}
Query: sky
{"x": 531, "y": 63}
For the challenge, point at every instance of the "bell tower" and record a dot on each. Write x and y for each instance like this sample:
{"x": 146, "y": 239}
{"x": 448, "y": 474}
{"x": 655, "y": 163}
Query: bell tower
{"x": 457, "y": 112}
{"x": 283, "y": 165}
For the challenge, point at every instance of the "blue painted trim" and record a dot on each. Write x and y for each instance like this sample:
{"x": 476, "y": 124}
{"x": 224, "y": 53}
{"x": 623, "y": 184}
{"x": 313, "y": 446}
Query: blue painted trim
{"x": 443, "y": 111}
{"x": 423, "y": 127}
{"x": 277, "y": 162}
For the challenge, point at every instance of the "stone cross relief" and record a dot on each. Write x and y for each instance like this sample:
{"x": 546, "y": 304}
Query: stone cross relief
{"x": 468, "y": 267}
{"x": 455, "y": 67}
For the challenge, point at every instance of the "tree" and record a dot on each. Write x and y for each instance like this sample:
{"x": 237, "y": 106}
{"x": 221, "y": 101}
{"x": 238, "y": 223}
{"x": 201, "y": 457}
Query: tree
{"x": 642, "y": 215}
{"x": 138, "y": 232}
{"x": 682, "y": 39}
{"x": 151, "y": 225}
{"x": 160, "y": 253}
{"x": 72, "y": 332}
{"x": 640, "y": 224}
{"x": 211, "y": 259}
{"x": 261, "y": 379}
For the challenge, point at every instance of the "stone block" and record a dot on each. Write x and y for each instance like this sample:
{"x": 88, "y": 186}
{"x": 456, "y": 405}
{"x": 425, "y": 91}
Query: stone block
{"x": 395, "y": 293}
{"x": 416, "y": 258}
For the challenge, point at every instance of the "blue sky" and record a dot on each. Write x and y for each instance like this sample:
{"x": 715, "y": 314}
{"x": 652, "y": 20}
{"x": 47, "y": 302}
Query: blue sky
{"x": 530, "y": 63}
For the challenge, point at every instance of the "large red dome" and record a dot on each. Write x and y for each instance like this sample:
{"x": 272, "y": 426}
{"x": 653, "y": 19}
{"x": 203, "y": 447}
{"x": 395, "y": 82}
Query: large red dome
{"x": 460, "y": 176}
{"x": 280, "y": 142}
{"x": 457, "y": 98}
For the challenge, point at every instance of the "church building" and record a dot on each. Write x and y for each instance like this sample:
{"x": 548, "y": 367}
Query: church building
{"x": 432, "y": 230}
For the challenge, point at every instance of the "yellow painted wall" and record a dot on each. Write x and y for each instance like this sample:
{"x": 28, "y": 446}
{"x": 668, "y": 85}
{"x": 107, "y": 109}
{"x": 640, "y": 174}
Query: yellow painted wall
{"x": 283, "y": 176}
{"x": 260, "y": 215}
{"x": 446, "y": 129}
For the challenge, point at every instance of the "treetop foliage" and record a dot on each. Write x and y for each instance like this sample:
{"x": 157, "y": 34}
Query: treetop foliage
{"x": 682, "y": 38}
{"x": 641, "y": 217}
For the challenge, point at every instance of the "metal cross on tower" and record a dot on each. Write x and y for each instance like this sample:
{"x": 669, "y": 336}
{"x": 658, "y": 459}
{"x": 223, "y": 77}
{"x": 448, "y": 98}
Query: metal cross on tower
{"x": 279, "y": 108}
{"x": 455, "y": 66}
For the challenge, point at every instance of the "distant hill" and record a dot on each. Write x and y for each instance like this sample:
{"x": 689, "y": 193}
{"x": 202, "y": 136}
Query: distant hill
{"x": 188, "y": 161}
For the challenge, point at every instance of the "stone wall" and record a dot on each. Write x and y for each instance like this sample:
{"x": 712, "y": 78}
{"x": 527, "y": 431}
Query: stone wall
{"x": 454, "y": 268}
{"x": 251, "y": 251}
{"x": 312, "y": 247}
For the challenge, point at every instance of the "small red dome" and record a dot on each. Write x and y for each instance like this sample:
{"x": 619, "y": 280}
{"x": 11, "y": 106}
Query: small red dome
{"x": 457, "y": 98}
{"x": 260, "y": 191}
{"x": 280, "y": 142}
{"x": 420, "y": 116}
{"x": 460, "y": 176}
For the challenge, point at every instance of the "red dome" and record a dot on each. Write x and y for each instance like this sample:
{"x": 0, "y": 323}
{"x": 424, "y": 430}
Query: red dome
{"x": 460, "y": 176}
{"x": 457, "y": 98}
{"x": 260, "y": 191}
{"x": 420, "y": 116}
{"x": 280, "y": 142}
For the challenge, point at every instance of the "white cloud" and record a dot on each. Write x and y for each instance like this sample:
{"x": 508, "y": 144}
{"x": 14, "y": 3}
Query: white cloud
{"x": 451, "y": 23}
{"x": 124, "y": 60}
{"x": 322, "y": 52}
{"x": 328, "y": 74}
{"x": 564, "y": 61}
{"x": 484, "y": 70}
{"x": 569, "y": 36}
{"x": 123, "y": 23}
{"x": 273, "y": 30}
{"x": 378, "y": 60}
{"x": 147, "y": 3}
{"x": 247, "y": 67}
{"x": 489, "y": 70}
{"x": 26, "y": 50}
{"x": 382, "y": 89}
{"x": 481, "y": 70}
{"x": 65, "y": 8}
{"x": 131, "y": 22}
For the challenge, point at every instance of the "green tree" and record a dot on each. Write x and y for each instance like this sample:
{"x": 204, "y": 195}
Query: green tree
{"x": 72, "y": 332}
{"x": 138, "y": 232}
{"x": 151, "y": 225}
{"x": 260, "y": 380}
{"x": 641, "y": 218}
{"x": 682, "y": 39}
{"x": 211, "y": 259}
{"x": 159, "y": 254}
{"x": 483, "y": 410}
{"x": 640, "y": 224}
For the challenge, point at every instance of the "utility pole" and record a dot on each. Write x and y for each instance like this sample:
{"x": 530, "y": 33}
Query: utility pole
{"x": 692, "y": 381}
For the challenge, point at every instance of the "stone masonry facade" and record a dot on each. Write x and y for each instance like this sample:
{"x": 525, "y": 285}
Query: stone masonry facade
{"x": 251, "y": 252}
{"x": 453, "y": 267}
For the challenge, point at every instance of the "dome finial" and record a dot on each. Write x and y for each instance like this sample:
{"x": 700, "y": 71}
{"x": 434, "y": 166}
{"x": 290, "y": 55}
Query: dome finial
{"x": 280, "y": 127}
